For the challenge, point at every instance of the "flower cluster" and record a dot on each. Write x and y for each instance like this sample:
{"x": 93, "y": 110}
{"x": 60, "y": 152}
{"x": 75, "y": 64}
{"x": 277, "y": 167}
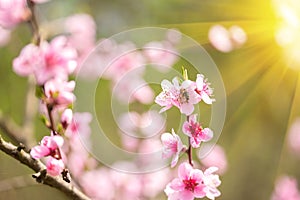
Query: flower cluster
{"x": 191, "y": 183}
{"x": 184, "y": 95}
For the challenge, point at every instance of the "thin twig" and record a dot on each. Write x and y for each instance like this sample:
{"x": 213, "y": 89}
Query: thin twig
{"x": 33, "y": 23}
{"x": 39, "y": 167}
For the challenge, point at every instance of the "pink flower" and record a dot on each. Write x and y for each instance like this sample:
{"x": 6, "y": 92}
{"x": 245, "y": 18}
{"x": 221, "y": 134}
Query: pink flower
{"x": 58, "y": 60}
{"x": 161, "y": 54}
{"x": 48, "y": 61}
{"x": 79, "y": 125}
{"x": 28, "y": 60}
{"x": 54, "y": 166}
{"x": 226, "y": 40}
{"x": 132, "y": 88}
{"x": 172, "y": 146}
{"x": 98, "y": 184}
{"x": 182, "y": 96}
{"x": 195, "y": 131}
{"x": 12, "y": 12}
{"x": 211, "y": 182}
{"x": 49, "y": 146}
{"x": 286, "y": 188}
{"x": 82, "y": 29}
{"x": 216, "y": 157}
{"x": 203, "y": 90}
{"x": 124, "y": 58}
{"x": 188, "y": 185}
{"x": 66, "y": 118}
{"x": 294, "y": 137}
{"x": 59, "y": 92}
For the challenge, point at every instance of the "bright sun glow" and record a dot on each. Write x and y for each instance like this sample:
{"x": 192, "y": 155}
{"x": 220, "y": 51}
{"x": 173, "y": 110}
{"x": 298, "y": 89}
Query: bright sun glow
{"x": 287, "y": 34}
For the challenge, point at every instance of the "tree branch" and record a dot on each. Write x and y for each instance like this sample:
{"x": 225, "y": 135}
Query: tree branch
{"x": 37, "y": 166}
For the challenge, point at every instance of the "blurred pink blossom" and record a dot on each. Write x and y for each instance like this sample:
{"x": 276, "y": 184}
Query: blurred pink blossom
{"x": 133, "y": 88}
{"x": 226, "y": 40}
{"x": 286, "y": 188}
{"x": 54, "y": 60}
{"x": 294, "y": 137}
{"x": 54, "y": 166}
{"x": 148, "y": 124}
{"x": 175, "y": 94}
{"x": 216, "y": 157}
{"x": 82, "y": 29}
{"x": 123, "y": 58}
{"x": 59, "y": 92}
{"x": 196, "y": 133}
{"x": 172, "y": 146}
{"x": 80, "y": 125}
{"x": 40, "y": 1}
{"x": 4, "y": 36}
{"x": 12, "y": 12}
{"x": 97, "y": 184}
{"x": 162, "y": 54}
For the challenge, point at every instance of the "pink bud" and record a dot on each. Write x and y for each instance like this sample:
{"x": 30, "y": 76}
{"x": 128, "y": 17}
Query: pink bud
{"x": 66, "y": 118}
{"x": 54, "y": 166}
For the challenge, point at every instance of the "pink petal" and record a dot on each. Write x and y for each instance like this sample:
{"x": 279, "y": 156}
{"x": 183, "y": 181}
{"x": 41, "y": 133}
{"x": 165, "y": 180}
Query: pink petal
{"x": 187, "y": 108}
{"x": 207, "y": 134}
{"x": 184, "y": 171}
{"x": 177, "y": 184}
{"x": 39, "y": 152}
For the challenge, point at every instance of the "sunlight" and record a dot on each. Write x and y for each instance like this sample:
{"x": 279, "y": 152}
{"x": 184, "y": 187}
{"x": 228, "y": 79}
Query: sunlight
{"x": 288, "y": 31}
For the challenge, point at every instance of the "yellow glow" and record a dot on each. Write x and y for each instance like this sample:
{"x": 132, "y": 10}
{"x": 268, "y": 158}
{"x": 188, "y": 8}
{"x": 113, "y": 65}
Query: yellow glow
{"x": 287, "y": 34}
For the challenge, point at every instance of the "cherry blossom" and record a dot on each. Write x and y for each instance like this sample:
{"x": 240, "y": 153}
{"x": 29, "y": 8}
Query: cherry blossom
{"x": 286, "y": 188}
{"x": 13, "y": 12}
{"x": 196, "y": 132}
{"x": 203, "y": 90}
{"x": 211, "y": 182}
{"x": 172, "y": 146}
{"x": 175, "y": 94}
{"x": 294, "y": 137}
{"x": 47, "y": 61}
{"x": 59, "y": 92}
{"x": 66, "y": 118}
{"x": 79, "y": 125}
{"x": 54, "y": 166}
{"x": 226, "y": 40}
{"x": 188, "y": 185}
{"x": 82, "y": 30}
{"x": 162, "y": 54}
{"x": 48, "y": 147}
{"x": 216, "y": 157}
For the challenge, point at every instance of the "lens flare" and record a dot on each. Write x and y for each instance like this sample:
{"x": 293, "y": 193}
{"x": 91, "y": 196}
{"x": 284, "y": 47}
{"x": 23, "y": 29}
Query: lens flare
{"x": 288, "y": 31}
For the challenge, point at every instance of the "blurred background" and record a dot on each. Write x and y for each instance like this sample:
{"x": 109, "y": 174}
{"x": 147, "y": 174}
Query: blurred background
{"x": 260, "y": 70}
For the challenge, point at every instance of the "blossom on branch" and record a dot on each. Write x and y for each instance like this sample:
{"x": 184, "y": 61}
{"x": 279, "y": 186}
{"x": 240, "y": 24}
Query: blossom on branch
{"x": 196, "y": 132}
{"x": 193, "y": 183}
{"x": 172, "y": 146}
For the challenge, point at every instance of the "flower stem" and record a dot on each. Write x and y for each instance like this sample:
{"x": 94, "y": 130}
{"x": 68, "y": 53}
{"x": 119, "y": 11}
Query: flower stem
{"x": 189, "y": 150}
{"x": 33, "y": 23}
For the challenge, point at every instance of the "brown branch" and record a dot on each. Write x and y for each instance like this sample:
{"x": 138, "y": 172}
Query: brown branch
{"x": 33, "y": 23}
{"x": 39, "y": 167}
